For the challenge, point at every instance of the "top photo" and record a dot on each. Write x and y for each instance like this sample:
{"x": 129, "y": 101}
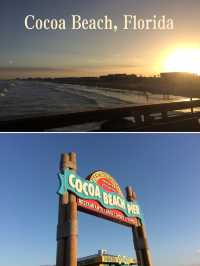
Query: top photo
{"x": 100, "y": 66}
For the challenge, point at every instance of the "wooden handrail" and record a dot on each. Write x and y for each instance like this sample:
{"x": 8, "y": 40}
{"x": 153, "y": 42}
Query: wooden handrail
{"x": 42, "y": 123}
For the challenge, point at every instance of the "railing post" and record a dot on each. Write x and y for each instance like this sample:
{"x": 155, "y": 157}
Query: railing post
{"x": 192, "y": 109}
{"x": 148, "y": 118}
{"x": 138, "y": 118}
{"x": 164, "y": 115}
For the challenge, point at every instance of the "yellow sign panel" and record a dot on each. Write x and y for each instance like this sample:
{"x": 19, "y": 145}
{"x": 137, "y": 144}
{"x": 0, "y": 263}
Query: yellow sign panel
{"x": 118, "y": 259}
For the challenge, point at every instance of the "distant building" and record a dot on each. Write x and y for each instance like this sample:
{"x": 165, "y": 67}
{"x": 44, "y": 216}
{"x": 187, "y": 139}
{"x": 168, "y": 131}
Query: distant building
{"x": 114, "y": 77}
{"x": 178, "y": 75}
{"x": 104, "y": 259}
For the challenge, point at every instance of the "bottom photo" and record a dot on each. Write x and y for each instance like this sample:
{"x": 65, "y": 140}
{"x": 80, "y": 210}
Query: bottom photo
{"x": 100, "y": 199}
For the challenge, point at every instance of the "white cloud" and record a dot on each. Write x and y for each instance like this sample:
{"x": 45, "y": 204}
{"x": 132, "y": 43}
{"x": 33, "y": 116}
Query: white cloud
{"x": 198, "y": 251}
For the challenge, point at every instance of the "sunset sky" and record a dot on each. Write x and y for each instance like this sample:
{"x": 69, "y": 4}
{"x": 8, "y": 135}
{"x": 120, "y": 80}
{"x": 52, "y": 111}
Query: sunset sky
{"x": 69, "y": 53}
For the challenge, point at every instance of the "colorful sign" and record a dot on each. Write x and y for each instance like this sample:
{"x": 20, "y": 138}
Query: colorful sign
{"x": 118, "y": 259}
{"x": 107, "y": 259}
{"x": 100, "y": 194}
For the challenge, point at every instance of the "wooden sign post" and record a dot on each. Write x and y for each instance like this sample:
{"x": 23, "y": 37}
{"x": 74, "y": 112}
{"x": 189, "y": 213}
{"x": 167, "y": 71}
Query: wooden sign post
{"x": 99, "y": 195}
{"x": 67, "y": 219}
{"x": 139, "y": 237}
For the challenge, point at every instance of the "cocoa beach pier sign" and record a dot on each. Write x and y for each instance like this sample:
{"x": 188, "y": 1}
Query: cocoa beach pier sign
{"x": 99, "y": 194}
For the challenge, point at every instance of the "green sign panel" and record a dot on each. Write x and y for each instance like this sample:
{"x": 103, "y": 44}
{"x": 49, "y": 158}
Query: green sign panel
{"x": 69, "y": 181}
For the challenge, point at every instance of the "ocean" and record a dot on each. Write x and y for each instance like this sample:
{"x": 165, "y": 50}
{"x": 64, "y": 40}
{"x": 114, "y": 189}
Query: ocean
{"x": 34, "y": 98}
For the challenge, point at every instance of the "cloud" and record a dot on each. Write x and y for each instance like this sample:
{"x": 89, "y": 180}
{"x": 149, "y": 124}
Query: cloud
{"x": 34, "y": 71}
{"x": 91, "y": 69}
{"x": 190, "y": 264}
{"x": 198, "y": 251}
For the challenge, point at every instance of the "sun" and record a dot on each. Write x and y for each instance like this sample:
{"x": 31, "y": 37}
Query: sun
{"x": 183, "y": 60}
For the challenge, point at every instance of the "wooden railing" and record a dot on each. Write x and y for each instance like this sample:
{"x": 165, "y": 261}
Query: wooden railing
{"x": 142, "y": 116}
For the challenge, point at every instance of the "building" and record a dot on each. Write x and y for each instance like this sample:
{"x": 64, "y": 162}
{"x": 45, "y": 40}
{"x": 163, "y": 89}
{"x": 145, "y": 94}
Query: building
{"x": 118, "y": 77}
{"x": 105, "y": 259}
{"x": 178, "y": 75}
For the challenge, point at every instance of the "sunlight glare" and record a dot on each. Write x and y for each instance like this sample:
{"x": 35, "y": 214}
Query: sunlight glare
{"x": 183, "y": 60}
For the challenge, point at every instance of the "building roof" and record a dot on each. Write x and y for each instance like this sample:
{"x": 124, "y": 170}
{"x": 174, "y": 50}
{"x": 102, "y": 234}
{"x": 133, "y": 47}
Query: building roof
{"x": 178, "y": 74}
{"x": 104, "y": 258}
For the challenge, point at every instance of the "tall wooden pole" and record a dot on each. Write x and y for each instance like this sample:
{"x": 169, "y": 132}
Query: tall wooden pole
{"x": 67, "y": 220}
{"x": 139, "y": 237}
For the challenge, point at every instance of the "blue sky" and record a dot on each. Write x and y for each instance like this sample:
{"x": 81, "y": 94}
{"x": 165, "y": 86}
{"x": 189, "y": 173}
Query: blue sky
{"x": 71, "y": 53}
{"x": 162, "y": 168}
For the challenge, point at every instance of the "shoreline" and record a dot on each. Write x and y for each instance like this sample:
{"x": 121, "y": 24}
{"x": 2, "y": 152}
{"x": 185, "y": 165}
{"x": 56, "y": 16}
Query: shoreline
{"x": 159, "y": 87}
{"x": 155, "y": 85}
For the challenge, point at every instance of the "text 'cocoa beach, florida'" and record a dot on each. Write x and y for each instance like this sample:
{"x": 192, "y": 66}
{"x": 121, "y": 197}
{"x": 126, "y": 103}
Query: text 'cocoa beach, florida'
{"x": 76, "y": 22}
